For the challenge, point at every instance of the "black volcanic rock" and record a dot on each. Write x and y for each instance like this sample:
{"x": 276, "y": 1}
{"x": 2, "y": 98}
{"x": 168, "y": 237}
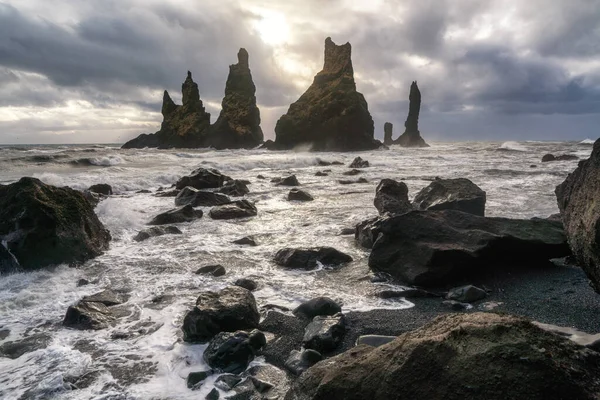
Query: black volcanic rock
{"x": 452, "y": 194}
{"x": 411, "y": 136}
{"x": 299, "y": 195}
{"x": 234, "y": 210}
{"x": 203, "y": 178}
{"x": 176, "y": 216}
{"x": 561, "y": 157}
{"x": 238, "y": 125}
{"x": 235, "y": 188}
{"x": 392, "y": 197}
{"x": 579, "y": 203}
{"x": 199, "y": 198}
{"x": 388, "y": 133}
{"x": 183, "y": 126}
{"x": 46, "y": 225}
{"x": 101, "y": 188}
{"x": 156, "y": 231}
{"x": 308, "y": 258}
{"x": 331, "y": 115}
{"x": 358, "y": 162}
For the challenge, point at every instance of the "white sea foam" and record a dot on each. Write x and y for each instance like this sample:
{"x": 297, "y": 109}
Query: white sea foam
{"x": 512, "y": 146}
{"x": 587, "y": 141}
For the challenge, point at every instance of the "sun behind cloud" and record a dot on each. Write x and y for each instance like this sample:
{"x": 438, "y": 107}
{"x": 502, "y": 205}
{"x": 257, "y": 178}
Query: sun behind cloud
{"x": 272, "y": 27}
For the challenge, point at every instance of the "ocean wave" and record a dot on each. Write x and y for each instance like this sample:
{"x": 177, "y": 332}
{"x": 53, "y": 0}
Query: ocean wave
{"x": 587, "y": 141}
{"x": 107, "y": 161}
{"x": 511, "y": 146}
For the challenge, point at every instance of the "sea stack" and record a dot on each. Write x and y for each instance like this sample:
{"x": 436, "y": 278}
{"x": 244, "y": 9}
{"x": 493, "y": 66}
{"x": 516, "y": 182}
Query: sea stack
{"x": 183, "y": 126}
{"x": 411, "y": 136}
{"x": 388, "y": 132}
{"x": 331, "y": 115}
{"x": 238, "y": 125}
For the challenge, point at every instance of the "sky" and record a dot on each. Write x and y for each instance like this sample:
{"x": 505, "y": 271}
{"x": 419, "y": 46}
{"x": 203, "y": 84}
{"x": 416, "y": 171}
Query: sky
{"x": 77, "y": 71}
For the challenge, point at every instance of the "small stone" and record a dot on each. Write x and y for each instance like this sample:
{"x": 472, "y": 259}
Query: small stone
{"x": 300, "y": 361}
{"x": 246, "y": 283}
{"x": 214, "y": 270}
{"x": 101, "y": 188}
{"x": 466, "y": 294}
{"x": 227, "y": 381}
{"x": 289, "y": 181}
{"x": 212, "y": 395}
{"x": 82, "y": 282}
{"x": 247, "y": 240}
{"x": 347, "y": 231}
{"x": 317, "y": 306}
{"x": 321, "y": 173}
{"x": 352, "y": 172}
{"x": 299, "y": 195}
{"x": 194, "y": 378}
{"x": 359, "y": 163}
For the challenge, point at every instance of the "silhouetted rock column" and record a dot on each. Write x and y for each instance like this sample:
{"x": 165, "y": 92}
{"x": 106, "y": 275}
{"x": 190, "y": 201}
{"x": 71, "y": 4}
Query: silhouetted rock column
{"x": 388, "y": 129}
{"x": 331, "y": 115}
{"x": 411, "y": 136}
{"x": 238, "y": 125}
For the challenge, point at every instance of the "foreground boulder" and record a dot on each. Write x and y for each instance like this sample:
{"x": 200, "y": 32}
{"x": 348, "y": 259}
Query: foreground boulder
{"x": 198, "y": 198}
{"x": 459, "y": 356}
{"x": 331, "y": 115}
{"x": 238, "y": 125}
{"x": 580, "y": 210}
{"x": 232, "y": 352}
{"x": 234, "y": 210}
{"x": 156, "y": 231}
{"x": 411, "y": 136}
{"x": 391, "y": 197}
{"x": 183, "y": 126}
{"x": 308, "y": 258}
{"x": 452, "y": 194}
{"x": 203, "y": 178}
{"x": 176, "y": 216}
{"x": 426, "y": 248}
{"x": 46, "y": 225}
{"x": 229, "y": 310}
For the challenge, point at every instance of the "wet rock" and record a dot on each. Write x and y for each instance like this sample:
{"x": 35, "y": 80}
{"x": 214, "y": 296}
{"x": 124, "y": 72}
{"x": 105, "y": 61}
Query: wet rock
{"x": 452, "y": 194}
{"x": 366, "y": 232}
{"x": 82, "y": 282}
{"x": 101, "y": 188}
{"x": 214, "y": 270}
{"x": 411, "y": 136}
{"x": 197, "y": 378}
{"x": 176, "y": 216}
{"x": 143, "y": 191}
{"x": 351, "y": 182}
{"x": 28, "y": 344}
{"x": 347, "y": 231}
{"x": 391, "y": 197}
{"x": 331, "y": 115}
{"x": 234, "y": 210}
{"x": 469, "y": 356}
{"x": 107, "y": 297}
{"x": 308, "y": 258}
{"x": 93, "y": 198}
{"x": 45, "y": 225}
{"x": 426, "y": 248}
{"x": 197, "y": 198}
{"x": 183, "y": 126}
{"x": 247, "y": 240}
{"x": 466, "y": 294}
{"x": 212, "y": 395}
{"x": 317, "y": 306}
{"x": 8, "y": 263}
{"x": 246, "y": 283}
{"x": 300, "y": 361}
{"x": 388, "y": 129}
{"x": 156, "y": 231}
{"x": 232, "y": 352}
{"x": 358, "y": 163}
{"x": 324, "y": 333}
{"x": 321, "y": 173}
{"x": 352, "y": 172}
{"x": 238, "y": 125}
{"x": 288, "y": 181}
{"x": 299, "y": 195}
{"x": 235, "y": 188}
{"x": 227, "y": 382}
{"x": 323, "y": 163}
{"x": 88, "y": 315}
{"x": 374, "y": 340}
{"x": 229, "y": 310}
{"x": 168, "y": 193}
{"x": 203, "y": 178}
{"x": 561, "y": 157}
{"x": 580, "y": 211}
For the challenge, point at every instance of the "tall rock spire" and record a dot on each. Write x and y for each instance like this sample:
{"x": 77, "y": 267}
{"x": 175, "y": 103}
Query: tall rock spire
{"x": 388, "y": 132}
{"x": 411, "y": 136}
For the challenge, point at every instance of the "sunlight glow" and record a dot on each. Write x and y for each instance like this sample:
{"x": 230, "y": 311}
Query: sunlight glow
{"x": 272, "y": 27}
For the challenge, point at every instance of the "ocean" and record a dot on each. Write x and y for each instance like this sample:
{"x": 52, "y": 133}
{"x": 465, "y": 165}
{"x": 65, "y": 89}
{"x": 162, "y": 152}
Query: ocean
{"x": 154, "y": 362}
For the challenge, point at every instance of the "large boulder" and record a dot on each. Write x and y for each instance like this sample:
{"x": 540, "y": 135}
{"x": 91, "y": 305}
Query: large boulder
{"x": 308, "y": 258}
{"x": 198, "y": 198}
{"x": 426, "y": 248}
{"x": 331, "y": 115}
{"x": 411, "y": 136}
{"x": 176, "y": 216}
{"x": 183, "y": 126}
{"x": 234, "y": 210}
{"x": 203, "y": 178}
{"x": 459, "y": 356}
{"x": 232, "y": 352}
{"x": 580, "y": 210}
{"x": 46, "y": 225}
{"x": 391, "y": 197}
{"x": 452, "y": 194}
{"x": 238, "y": 125}
{"x": 229, "y": 310}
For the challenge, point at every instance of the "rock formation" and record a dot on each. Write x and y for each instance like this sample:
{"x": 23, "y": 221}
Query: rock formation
{"x": 183, "y": 126}
{"x": 388, "y": 132}
{"x": 238, "y": 125}
{"x": 459, "y": 356}
{"x": 331, "y": 115}
{"x": 411, "y": 136}
{"x": 452, "y": 194}
{"x": 580, "y": 210}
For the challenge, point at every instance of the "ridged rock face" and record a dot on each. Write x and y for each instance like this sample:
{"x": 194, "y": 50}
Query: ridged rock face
{"x": 238, "y": 125}
{"x": 388, "y": 132}
{"x": 331, "y": 115}
{"x": 579, "y": 203}
{"x": 411, "y": 136}
{"x": 459, "y": 356}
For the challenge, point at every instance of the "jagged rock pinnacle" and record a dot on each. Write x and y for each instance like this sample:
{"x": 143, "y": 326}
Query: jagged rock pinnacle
{"x": 168, "y": 105}
{"x": 388, "y": 132}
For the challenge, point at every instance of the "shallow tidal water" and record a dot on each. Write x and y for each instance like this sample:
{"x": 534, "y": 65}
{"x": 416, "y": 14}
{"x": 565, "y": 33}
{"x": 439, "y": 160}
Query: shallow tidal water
{"x": 152, "y": 362}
